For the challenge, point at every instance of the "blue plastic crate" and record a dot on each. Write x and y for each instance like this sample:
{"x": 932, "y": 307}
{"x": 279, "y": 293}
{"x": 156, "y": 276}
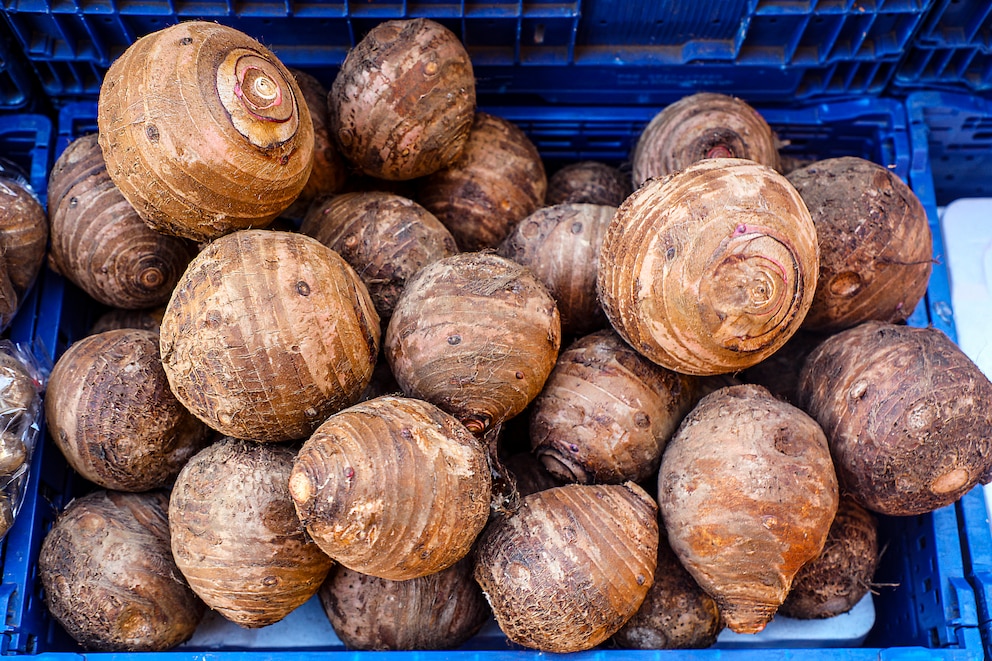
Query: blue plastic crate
{"x": 952, "y": 51}
{"x": 18, "y": 88}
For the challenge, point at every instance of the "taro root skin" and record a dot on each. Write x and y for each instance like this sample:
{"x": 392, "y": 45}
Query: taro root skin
{"x": 566, "y": 570}
{"x": 747, "y": 492}
{"x": 709, "y": 270}
{"x": 24, "y": 234}
{"x": 204, "y": 131}
{"x": 267, "y": 333}
{"x": 588, "y": 182}
{"x": 403, "y": 101}
{"x": 109, "y": 577}
{"x": 906, "y": 413}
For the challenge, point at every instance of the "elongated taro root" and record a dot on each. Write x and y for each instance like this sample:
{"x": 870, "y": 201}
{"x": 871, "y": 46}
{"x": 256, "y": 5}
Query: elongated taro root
{"x": 235, "y": 534}
{"x": 204, "y": 130}
{"x": 676, "y": 613}
{"x": 438, "y": 611}
{"x": 588, "y": 182}
{"x": 498, "y": 180}
{"x": 712, "y": 269}
{"x": 747, "y": 492}
{"x": 606, "y": 412}
{"x": 837, "y": 579}
{"x": 385, "y": 237}
{"x": 267, "y": 333}
{"x": 906, "y": 413}
{"x": 402, "y": 103}
{"x": 571, "y": 566}
{"x": 392, "y": 487}
{"x": 561, "y": 245}
{"x": 109, "y": 578}
{"x": 701, "y": 126}
{"x": 111, "y": 413}
{"x": 475, "y": 334}
{"x": 876, "y": 249}
{"x": 99, "y": 241}
{"x": 23, "y": 229}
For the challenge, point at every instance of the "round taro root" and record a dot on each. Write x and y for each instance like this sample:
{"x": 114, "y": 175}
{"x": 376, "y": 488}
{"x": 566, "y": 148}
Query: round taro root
{"x": 109, "y": 578}
{"x": 588, "y": 182}
{"x": 876, "y": 249}
{"x": 402, "y": 103}
{"x": 117, "y": 318}
{"x": 204, "y": 130}
{"x": 498, "y": 180}
{"x": 747, "y": 492}
{"x": 676, "y": 613}
{"x": 99, "y": 241}
{"x": 23, "y": 229}
{"x": 235, "y": 534}
{"x": 110, "y": 411}
{"x": 475, "y": 334}
{"x": 701, "y": 126}
{"x": 838, "y": 578}
{"x": 606, "y": 412}
{"x": 438, "y": 611}
{"x": 710, "y": 270}
{"x": 267, "y": 333}
{"x": 779, "y": 372}
{"x": 906, "y": 413}
{"x": 392, "y": 487}
{"x": 561, "y": 244}
{"x": 571, "y": 565}
{"x": 385, "y": 237}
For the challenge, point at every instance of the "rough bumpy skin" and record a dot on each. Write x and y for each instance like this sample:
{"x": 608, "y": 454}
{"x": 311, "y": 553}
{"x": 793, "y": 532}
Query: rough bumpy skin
{"x": 268, "y": 333}
{"x": 118, "y": 318}
{"x": 99, "y": 241}
{"x": 393, "y": 487}
{"x": 606, "y": 412}
{"x": 561, "y": 245}
{"x": 438, "y": 611}
{"x": 204, "y": 131}
{"x": 402, "y": 103}
{"x": 876, "y": 249}
{"x": 475, "y": 334}
{"x": 385, "y": 237}
{"x": 747, "y": 492}
{"x": 837, "y": 579}
{"x": 110, "y": 411}
{"x": 109, "y": 577}
{"x": 236, "y": 537}
{"x": 571, "y": 566}
{"x": 712, "y": 269}
{"x": 23, "y": 233}
{"x": 906, "y": 412}
{"x": 588, "y": 182}
{"x": 701, "y": 126}
{"x": 498, "y": 180}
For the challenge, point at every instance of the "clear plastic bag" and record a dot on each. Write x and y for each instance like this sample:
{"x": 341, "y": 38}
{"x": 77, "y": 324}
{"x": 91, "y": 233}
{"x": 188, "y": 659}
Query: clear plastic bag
{"x": 22, "y": 381}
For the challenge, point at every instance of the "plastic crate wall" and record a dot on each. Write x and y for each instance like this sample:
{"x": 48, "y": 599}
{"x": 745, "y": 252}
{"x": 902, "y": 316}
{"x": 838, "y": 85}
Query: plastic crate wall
{"x": 925, "y": 609}
{"x": 18, "y": 88}
{"x": 953, "y": 49}
{"x": 571, "y": 51}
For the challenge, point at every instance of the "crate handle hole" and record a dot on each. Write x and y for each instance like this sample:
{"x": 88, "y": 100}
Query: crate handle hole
{"x": 539, "y": 33}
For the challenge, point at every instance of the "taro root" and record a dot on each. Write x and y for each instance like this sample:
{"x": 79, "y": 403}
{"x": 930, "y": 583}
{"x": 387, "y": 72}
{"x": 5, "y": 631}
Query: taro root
{"x": 747, "y": 492}
{"x": 561, "y": 244}
{"x": 779, "y": 372}
{"x": 13, "y": 453}
{"x": 438, "y": 611}
{"x": 475, "y": 334}
{"x": 386, "y": 239}
{"x": 18, "y": 393}
{"x": 235, "y": 534}
{"x": 906, "y": 413}
{"x": 529, "y": 474}
{"x": 676, "y": 613}
{"x": 701, "y": 126}
{"x": 498, "y": 180}
{"x": 402, "y": 103}
{"x": 588, "y": 182}
{"x": 837, "y": 579}
{"x": 110, "y": 411}
{"x": 571, "y": 565}
{"x": 710, "y": 270}
{"x": 204, "y": 130}
{"x": 109, "y": 578}
{"x": 268, "y": 333}
{"x": 99, "y": 241}
{"x": 606, "y": 412}
{"x": 392, "y": 487}
{"x": 876, "y": 249}
{"x": 117, "y": 318}
{"x": 23, "y": 229}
